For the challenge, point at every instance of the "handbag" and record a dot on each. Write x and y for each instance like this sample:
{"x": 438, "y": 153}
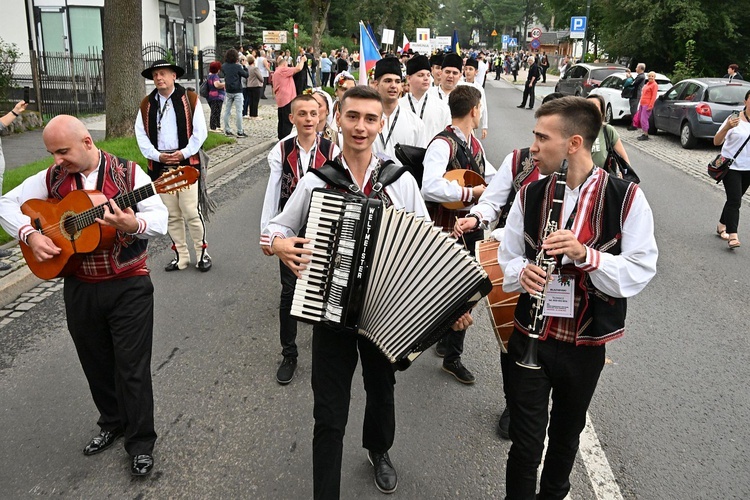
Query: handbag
{"x": 203, "y": 91}
{"x": 616, "y": 165}
{"x": 718, "y": 168}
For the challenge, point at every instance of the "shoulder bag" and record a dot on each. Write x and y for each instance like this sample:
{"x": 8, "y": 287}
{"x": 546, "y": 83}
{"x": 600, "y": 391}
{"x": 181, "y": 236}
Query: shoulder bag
{"x": 718, "y": 168}
{"x": 616, "y": 165}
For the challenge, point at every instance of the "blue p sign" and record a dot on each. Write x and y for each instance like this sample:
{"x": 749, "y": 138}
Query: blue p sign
{"x": 578, "y": 24}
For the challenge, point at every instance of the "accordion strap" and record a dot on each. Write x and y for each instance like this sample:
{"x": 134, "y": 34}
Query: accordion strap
{"x": 333, "y": 174}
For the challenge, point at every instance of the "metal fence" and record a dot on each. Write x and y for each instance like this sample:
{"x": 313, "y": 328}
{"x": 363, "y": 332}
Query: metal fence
{"x": 64, "y": 83}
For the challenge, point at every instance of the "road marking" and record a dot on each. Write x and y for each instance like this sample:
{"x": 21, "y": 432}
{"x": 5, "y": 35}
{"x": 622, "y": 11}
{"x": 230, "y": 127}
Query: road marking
{"x": 600, "y": 473}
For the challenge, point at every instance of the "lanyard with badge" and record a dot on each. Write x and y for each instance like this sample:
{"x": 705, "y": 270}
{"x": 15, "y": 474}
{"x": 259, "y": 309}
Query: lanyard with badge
{"x": 300, "y": 172}
{"x": 390, "y": 132}
{"x": 560, "y": 295}
{"x": 421, "y": 113}
{"x": 160, "y": 113}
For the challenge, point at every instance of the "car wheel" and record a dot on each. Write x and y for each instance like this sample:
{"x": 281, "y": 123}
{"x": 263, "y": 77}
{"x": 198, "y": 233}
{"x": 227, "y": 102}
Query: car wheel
{"x": 608, "y": 114}
{"x": 687, "y": 139}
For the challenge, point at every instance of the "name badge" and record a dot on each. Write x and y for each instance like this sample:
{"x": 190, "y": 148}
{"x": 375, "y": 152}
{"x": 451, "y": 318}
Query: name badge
{"x": 560, "y": 299}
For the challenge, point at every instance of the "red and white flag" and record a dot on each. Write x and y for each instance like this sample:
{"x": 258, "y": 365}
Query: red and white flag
{"x": 406, "y": 44}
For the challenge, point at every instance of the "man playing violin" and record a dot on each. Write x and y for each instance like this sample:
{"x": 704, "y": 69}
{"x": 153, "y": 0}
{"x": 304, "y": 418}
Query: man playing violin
{"x": 109, "y": 297}
{"x": 456, "y": 148}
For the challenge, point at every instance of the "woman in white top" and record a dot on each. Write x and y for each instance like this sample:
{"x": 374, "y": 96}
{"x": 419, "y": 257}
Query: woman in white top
{"x": 733, "y": 133}
{"x": 264, "y": 67}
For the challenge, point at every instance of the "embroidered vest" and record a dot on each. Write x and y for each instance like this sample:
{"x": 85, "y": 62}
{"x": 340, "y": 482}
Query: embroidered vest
{"x": 367, "y": 189}
{"x": 183, "y": 102}
{"x": 457, "y": 159}
{"x": 523, "y": 172}
{"x": 598, "y": 317}
{"x": 128, "y": 255}
{"x": 289, "y": 159}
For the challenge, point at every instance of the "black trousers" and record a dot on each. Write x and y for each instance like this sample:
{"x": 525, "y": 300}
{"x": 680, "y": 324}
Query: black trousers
{"x": 215, "y": 118}
{"x": 263, "y": 89}
{"x": 284, "y": 126}
{"x": 245, "y": 100}
{"x": 454, "y": 341}
{"x": 111, "y": 324}
{"x": 570, "y": 374}
{"x": 529, "y": 93}
{"x": 254, "y": 98}
{"x": 736, "y": 183}
{"x": 334, "y": 358}
{"x": 287, "y": 324}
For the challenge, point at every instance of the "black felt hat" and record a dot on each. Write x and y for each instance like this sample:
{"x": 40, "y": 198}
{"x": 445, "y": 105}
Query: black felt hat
{"x": 453, "y": 60}
{"x": 148, "y": 73}
{"x": 387, "y": 66}
{"x": 472, "y": 62}
{"x": 417, "y": 63}
{"x": 436, "y": 59}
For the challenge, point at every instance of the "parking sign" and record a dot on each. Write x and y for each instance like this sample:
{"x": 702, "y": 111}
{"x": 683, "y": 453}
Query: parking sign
{"x": 506, "y": 38}
{"x": 577, "y": 26}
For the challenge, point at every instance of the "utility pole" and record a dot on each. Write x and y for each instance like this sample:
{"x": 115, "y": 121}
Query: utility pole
{"x": 586, "y": 33}
{"x": 196, "y": 44}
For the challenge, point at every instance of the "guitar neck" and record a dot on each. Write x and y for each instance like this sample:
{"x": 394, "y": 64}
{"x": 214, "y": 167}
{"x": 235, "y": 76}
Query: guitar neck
{"x": 123, "y": 201}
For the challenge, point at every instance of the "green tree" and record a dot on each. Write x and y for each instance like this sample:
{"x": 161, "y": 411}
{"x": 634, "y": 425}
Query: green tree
{"x": 226, "y": 33}
{"x": 8, "y": 58}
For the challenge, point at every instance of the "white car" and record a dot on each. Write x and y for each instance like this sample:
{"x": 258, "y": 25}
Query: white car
{"x": 616, "y": 106}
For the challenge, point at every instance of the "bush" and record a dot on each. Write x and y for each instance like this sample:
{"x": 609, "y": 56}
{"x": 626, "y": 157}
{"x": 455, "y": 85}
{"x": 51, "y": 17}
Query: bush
{"x": 8, "y": 57}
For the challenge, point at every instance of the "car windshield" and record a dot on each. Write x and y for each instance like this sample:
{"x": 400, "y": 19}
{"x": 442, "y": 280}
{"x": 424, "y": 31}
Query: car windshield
{"x": 602, "y": 73}
{"x": 731, "y": 95}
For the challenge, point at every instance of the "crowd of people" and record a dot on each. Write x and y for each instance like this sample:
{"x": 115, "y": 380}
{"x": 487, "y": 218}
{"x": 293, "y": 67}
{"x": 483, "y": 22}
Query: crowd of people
{"x": 601, "y": 248}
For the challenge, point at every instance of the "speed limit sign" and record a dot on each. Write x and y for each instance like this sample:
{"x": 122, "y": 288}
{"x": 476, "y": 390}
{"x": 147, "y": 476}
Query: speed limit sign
{"x": 536, "y": 32}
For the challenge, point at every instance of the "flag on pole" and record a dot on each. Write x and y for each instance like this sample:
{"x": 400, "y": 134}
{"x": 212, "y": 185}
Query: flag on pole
{"x": 406, "y": 44}
{"x": 368, "y": 53}
{"x": 455, "y": 47}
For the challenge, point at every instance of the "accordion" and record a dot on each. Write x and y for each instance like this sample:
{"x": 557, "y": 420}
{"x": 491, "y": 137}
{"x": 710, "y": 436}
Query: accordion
{"x": 384, "y": 273}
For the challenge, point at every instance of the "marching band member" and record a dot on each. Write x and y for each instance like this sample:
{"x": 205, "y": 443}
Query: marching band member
{"x": 455, "y": 148}
{"x": 289, "y": 161}
{"x": 434, "y": 113}
{"x": 607, "y": 252}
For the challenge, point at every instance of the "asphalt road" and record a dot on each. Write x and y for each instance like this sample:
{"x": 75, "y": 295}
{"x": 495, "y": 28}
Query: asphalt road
{"x": 671, "y": 411}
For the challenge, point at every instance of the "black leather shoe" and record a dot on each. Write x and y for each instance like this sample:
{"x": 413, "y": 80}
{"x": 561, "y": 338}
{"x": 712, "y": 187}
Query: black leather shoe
{"x": 386, "y": 479}
{"x": 101, "y": 442}
{"x": 286, "y": 370}
{"x": 205, "y": 263}
{"x": 631, "y": 128}
{"x": 141, "y": 465}
{"x": 530, "y": 107}
{"x": 458, "y": 370}
{"x": 172, "y": 266}
{"x": 440, "y": 349}
{"x": 521, "y": 106}
{"x": 504, "y": 424}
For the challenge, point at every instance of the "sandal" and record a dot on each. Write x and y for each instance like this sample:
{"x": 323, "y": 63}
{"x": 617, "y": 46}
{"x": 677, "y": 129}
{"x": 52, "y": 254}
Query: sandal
{"x": 722, "y": 233}
{"x": 733, "y": 243}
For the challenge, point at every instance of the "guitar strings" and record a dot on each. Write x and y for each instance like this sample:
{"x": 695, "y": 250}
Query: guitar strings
{"x": 89, "y": 216}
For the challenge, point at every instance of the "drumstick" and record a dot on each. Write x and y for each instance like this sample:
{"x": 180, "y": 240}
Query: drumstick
{"x": 462, "y": 236}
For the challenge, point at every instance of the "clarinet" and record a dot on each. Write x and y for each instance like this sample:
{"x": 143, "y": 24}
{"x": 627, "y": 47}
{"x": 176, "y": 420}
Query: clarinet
{"x": 548, "y": 264}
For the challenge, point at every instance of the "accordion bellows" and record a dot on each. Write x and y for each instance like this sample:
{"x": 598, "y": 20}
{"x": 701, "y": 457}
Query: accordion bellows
{"x": 385, "y": 274}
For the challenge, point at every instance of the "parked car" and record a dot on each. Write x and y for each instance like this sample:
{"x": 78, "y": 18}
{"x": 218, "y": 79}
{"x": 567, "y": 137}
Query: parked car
{"x": 618, "y": 107}
{"x": 695, "y": 108}
{"x": 581, "y": 78}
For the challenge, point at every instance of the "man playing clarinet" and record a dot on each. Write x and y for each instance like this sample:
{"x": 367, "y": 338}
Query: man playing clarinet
{"x": 606, "y": 252}
{"x": 335, "y": 351}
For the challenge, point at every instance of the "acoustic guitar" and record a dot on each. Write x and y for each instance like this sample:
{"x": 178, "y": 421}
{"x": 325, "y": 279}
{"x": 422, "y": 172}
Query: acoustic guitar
{"x": 465, "y": 178}
{"x": 71, "y": 222}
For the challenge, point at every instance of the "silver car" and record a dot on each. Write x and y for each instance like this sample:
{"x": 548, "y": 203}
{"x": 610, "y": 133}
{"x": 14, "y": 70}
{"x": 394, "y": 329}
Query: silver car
{"x": 581, "y": 78}
{"x": 695, "y": 108}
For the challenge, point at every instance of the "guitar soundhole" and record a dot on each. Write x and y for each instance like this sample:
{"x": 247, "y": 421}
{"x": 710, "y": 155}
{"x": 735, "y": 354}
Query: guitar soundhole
{"x": 68, "y": 226}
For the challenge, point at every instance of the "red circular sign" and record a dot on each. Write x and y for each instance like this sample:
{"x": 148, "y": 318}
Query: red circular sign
{"x": 536, "y": 32}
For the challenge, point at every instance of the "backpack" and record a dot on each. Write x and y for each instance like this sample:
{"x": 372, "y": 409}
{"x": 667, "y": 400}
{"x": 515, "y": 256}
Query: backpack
{"x": 204, "y": 89}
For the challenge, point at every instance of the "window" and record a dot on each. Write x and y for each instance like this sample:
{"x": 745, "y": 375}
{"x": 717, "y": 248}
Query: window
{"x": 692, "y": 92}
{"x": 612, "y": 82}
{"x": 675, "y": 92}
{"x": 85, "y": 29}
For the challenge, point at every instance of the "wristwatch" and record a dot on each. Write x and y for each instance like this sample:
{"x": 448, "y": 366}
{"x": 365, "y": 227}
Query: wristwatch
{"x": 479, "y": 221}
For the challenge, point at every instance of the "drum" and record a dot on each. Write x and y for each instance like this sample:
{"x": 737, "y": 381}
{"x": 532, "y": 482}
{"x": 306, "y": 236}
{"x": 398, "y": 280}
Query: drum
{"x": 502, "y": 305}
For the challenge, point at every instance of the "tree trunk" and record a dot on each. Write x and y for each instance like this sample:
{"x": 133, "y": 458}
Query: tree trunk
{"x": 123, "y": 85}
{"x": 319, "y": 16}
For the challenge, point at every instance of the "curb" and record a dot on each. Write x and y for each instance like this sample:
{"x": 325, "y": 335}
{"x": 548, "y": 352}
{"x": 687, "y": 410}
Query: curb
{"x": 225, "y": 166}
{"x": 22, "y": 280}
